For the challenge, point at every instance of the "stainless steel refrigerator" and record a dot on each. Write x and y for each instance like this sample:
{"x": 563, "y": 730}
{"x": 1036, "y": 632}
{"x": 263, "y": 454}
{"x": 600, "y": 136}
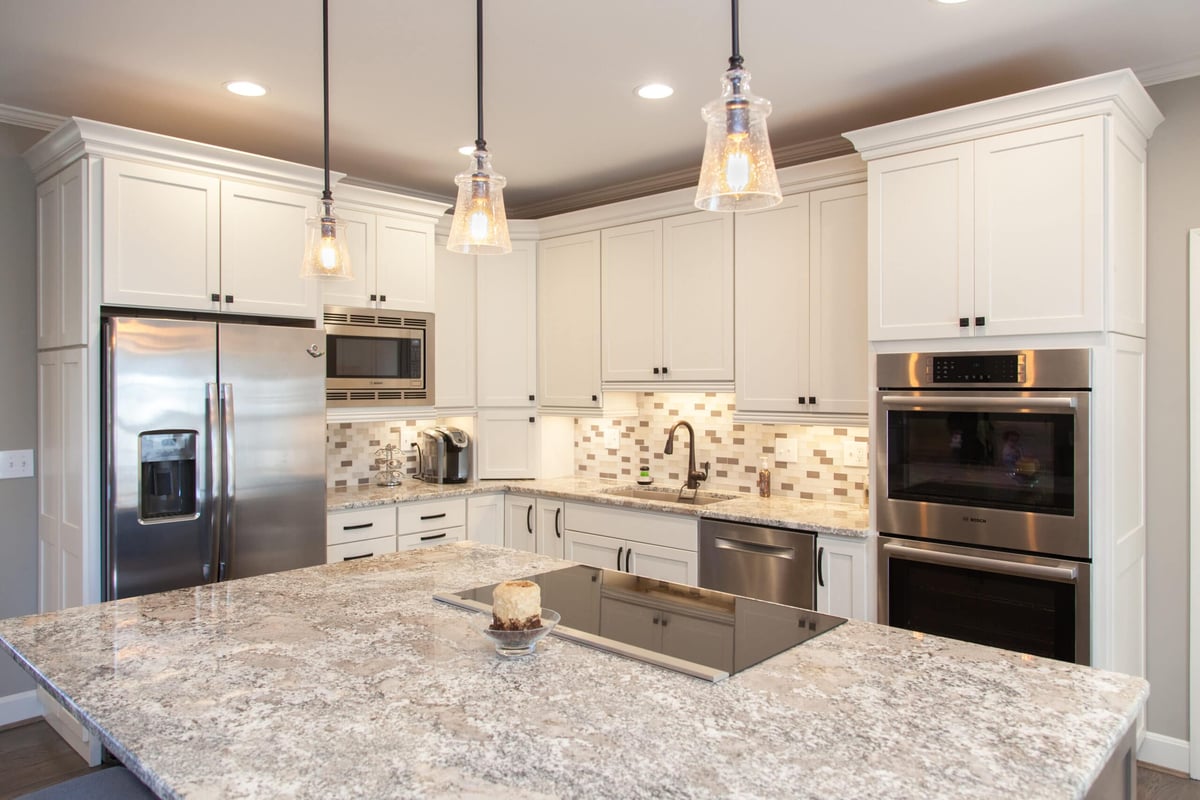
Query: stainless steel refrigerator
{"x": 214, "y": 450}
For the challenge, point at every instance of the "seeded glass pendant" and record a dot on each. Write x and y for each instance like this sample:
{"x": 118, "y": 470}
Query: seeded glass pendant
{"x": 325, "y": 252}
{"x": 480, "y": 225}
{"x": 738, "y": 171}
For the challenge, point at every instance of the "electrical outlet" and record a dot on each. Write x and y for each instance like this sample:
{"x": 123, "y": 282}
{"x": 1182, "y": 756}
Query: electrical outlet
{"x": 408, "y": 440}
{"x": 612, "y": 438}
{"x": 854, "y": 454}
{"x": 16, "y": 464}
{"x": 785, "y": 450}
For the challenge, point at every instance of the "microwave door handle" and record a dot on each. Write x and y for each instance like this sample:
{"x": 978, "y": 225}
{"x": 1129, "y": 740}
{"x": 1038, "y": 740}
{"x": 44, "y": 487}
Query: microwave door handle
{"x": 933, "y": 401}
{"x": 1017, "y": 568}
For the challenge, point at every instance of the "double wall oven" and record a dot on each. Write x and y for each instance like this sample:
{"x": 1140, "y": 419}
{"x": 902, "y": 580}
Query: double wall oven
{"x": 982, "y": 497}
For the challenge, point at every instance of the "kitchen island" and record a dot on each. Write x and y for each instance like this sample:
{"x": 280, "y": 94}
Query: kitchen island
{"x": 348, "y": 680}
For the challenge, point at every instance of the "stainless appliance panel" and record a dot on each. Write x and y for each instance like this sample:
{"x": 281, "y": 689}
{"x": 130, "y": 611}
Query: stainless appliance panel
{"x": 378, "y": 357}
{"x": 1030, "y": 369}
{"x": 158, "y": 375}
{"x": 754, "y": 561}
{"x": 1022, "y": 602}
{"x": 274, "y": 411}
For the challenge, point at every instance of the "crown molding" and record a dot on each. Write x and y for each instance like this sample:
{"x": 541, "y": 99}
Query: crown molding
{"x": 378, "y": 186}
{"x": 27, "y": 118}
{"x": 1165, "y": 73}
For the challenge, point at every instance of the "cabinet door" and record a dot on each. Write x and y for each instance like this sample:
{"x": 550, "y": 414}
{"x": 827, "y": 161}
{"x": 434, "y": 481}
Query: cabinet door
{"x": 593, "y": 549}
{"x": 162, "y": 237}
{"x": 568, "y": 313}
{"x": 664, "y": 563}
{"x": 404, "y": 264}
{"x": 507, "y": 443}
{"x": 701, "y": 641}
{"x": 485, "y": 519}
{"x": 262, "y": 246}
{"x": 360, "y": 241}
{"x": 520, "y": 528}
{"x": 1039, "y": 229}
{"x": 772, "y": 294}
{"x": 631, "y": 301}
{"x": 549, "y": 525}
{"x": 842, "y": 576}
{"x": 454, "y": 330}
{"x": 62, "y": 262}
{"x": 507, "y": 319}
{"x": 697, "y": 286}
{"x": 920, "y": 240}
{"x": 838, "y": 316}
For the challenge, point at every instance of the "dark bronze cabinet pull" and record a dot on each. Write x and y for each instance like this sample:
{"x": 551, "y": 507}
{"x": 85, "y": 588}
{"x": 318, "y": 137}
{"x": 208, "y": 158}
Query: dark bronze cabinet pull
{"x": 964, "y": 322}
{"x": 529, "y": 518}
{"x": 358, "y": 527}
{"x": 664, "y": 620}
{"x": 356, "y": 558}
{"x": 620, "y": 552}
{"x": 383, "y": 298}
{"x": 372, "y": 298}
{"x": 216, "y": 298}
{"x": 655, "y": 620}
{"x": 981, "y": 321}
{"x": 557, "y": 517}
{"x": 812, "y": 401}
{"x": 801, "y": 399}
{"x": 656, "y": 370}
{"x": 628, "y": 553}
{"x": 595, "y": 398}
{"x": 434, "y": 516}
{"x": 228, "y": 298}
{"x": 433, "y": 536}
{"x": 820, "y": 571}
{"x": 531, "y": 398}
{"x": 664, "y": 370}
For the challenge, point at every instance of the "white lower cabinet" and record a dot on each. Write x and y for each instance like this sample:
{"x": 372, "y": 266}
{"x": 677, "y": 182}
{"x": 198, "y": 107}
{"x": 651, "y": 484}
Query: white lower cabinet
{"x": 843, "y": 577}
{"x": 518, "y": 523}
{"x": 549, "y": 527}
{"x": 431, "y": 522}
{"x": 662, "y": 546}
{"x": 360, "y": 533}
{"x": 352, "y": 551}
{"x": 411, "y": 541}
{"x": 485, "y": 518}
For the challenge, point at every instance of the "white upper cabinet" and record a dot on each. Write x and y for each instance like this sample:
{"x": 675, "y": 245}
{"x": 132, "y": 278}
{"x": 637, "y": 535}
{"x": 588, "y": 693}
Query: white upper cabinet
{"x": 162, "y": 237}
{"x": 667, "y": 300}
{"x": 262, "y": 248}
{"x": 568, "y": 314}
{"x": 454, "y": 330}
{"x": 62, "y": 268}
{"x": 1014, "y": 216}
{"x": 404, "y": 271}
{"x": 507, "y": 332}
{"x": 801, "y": 305}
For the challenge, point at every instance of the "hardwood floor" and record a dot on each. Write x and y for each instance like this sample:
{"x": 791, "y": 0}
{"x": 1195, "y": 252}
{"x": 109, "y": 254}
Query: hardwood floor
{"x": 32, "y": 756}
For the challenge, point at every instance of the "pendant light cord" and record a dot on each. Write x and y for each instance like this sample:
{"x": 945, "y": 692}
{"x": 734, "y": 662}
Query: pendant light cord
{"x": 480, "y": 144}
{"x": 325, "y": 65}
{"x": 735, "y": 60}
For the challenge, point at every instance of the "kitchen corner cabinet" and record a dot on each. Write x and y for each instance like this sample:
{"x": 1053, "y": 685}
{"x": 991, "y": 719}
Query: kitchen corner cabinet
{"x": 568, "y": 315}
{"x": 454, "y": 332}
{"x": 843, "y": 577}
{"x": 662, "y": 546}
{"x": 62, "y": 259}
{"x": 393, "y": 259}
{"x": 506, "y": 344}
{"x": 534, "y": 525}
{"x": 801, "y": 305}
{"x": 667, "y": 300}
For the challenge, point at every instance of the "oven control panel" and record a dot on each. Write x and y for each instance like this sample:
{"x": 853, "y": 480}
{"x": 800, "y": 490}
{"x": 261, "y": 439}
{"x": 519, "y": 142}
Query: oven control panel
{"x": 978, "y": 368}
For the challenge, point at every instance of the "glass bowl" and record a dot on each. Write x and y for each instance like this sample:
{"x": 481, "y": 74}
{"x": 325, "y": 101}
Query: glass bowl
{"x": 513, "y": 644}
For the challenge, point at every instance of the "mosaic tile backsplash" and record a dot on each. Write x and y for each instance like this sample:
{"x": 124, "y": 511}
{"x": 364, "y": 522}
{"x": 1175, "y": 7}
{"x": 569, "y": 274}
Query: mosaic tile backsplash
{"x": 733, "y": 448}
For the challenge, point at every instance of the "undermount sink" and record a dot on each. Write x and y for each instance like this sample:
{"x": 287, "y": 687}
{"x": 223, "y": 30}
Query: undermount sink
{"x": 670, "y": 496}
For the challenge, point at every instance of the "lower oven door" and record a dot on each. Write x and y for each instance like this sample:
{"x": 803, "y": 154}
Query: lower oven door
{"x": 1026, "y": 603}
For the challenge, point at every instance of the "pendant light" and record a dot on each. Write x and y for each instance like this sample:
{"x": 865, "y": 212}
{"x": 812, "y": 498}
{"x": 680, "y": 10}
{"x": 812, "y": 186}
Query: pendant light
{"x": 479, "y": 224}
{"x": 738, "y": 172}
{"x": 325, "y": 252}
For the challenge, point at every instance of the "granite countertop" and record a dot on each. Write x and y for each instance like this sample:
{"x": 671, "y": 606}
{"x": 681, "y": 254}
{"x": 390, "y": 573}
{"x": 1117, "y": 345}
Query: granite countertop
{"x": 347, "y": 680}
{"x": 841, "y": 519}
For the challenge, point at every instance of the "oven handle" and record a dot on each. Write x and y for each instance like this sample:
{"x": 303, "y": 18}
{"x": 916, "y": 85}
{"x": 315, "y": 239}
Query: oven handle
{"x": 907, "y": 401}
{"x": 1060, "y": 574}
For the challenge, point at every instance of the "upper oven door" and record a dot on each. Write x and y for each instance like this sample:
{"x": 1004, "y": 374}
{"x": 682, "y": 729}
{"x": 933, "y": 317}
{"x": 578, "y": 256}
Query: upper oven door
{"x": 361, "y": 356}
{"x": 1002, "y": 469}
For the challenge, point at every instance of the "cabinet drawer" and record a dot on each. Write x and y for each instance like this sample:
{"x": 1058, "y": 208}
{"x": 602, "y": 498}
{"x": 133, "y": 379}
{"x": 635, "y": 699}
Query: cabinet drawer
{"x": 364, "y": 549}
{"x": 359, "y": 524}
{"x": 432, "y": 515}
{"x": 411, "y": 541}
{"x": 667, "y": 530}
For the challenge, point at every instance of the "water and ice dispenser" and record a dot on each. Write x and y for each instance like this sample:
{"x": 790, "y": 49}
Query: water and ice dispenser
{"x": 168, "y": 474}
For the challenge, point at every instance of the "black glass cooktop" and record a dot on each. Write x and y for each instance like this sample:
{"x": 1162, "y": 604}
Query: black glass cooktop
{"x": 701, "y": 632}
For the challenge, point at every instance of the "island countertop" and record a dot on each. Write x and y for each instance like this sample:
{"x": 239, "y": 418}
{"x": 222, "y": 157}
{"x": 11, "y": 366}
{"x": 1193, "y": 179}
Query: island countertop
{"x": 348, "y": 680}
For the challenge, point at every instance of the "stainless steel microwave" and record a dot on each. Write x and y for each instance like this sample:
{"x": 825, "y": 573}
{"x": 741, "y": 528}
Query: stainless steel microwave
{"x": 376, "y": 357}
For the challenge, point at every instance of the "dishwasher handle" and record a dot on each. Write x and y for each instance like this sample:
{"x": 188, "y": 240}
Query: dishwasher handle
{"x": 741, "y": 546}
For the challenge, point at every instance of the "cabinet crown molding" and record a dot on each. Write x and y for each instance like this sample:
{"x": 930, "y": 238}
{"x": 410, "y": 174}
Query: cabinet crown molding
{"x": 1117, "y": 93}
{"x": 382, "y": 201}
{"x": 77, "y": 137}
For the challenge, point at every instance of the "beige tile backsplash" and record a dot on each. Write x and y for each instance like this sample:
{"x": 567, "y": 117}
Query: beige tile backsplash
{"x": 733, "y": 448}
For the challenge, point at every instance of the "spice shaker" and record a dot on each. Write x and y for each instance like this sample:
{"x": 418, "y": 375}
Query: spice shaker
{"x": 764, "y": 478}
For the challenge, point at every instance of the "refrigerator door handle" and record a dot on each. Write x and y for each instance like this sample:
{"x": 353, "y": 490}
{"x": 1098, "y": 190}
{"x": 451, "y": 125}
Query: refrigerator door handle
{"x": 213, "y": 489}
{"x": 228, "y": 480}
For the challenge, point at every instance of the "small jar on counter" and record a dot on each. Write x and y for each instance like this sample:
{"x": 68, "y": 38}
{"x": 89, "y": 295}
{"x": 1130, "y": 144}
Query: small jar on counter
{"x": 764, "y": 478}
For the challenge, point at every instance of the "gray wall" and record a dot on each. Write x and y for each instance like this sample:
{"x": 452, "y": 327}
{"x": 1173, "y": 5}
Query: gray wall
{"x": 18, "y": 399}
{"x": 1174, "y": 207}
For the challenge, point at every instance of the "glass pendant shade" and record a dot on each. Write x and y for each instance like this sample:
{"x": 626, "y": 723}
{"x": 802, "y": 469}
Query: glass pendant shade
{"x": 326, "y": 254}
{"x": 480, "y": 225}
{"x": 738, "y": 171}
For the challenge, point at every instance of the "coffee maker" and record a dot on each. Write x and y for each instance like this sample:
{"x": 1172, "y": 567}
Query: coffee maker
{"x": 443, "y": 455}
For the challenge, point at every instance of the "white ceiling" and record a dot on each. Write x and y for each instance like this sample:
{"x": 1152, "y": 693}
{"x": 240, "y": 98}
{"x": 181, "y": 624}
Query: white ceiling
{"x": 561, "y": 119}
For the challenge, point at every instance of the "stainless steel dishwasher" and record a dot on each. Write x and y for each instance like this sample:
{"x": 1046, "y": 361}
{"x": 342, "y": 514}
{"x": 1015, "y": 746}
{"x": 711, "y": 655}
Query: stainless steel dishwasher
{"x": 756, "y": 561}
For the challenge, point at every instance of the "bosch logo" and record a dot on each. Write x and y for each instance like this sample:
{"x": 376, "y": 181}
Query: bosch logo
{"x": 980, "y": 520}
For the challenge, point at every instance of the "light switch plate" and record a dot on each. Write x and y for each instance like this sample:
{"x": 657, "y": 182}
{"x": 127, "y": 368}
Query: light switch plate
{"x": 785, "y": 450}
{"x": 16, "y": 464}
{"x": 854, "y": 454}
{"x": 612, "y": 438}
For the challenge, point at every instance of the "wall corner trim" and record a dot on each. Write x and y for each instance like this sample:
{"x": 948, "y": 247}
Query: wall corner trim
{"x": 19, "y": 707}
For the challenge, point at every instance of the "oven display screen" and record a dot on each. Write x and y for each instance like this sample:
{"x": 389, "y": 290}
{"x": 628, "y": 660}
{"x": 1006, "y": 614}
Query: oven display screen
{"x": 1013, "y": 461}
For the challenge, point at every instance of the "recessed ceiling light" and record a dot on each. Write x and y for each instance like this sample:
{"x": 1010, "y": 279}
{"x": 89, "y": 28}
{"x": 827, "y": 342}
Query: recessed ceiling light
{"x": 246, "y": 88}
{"x": 654, "y": 91}
{"x": 467, "y": 149}
{"x": 948, "y": 2}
